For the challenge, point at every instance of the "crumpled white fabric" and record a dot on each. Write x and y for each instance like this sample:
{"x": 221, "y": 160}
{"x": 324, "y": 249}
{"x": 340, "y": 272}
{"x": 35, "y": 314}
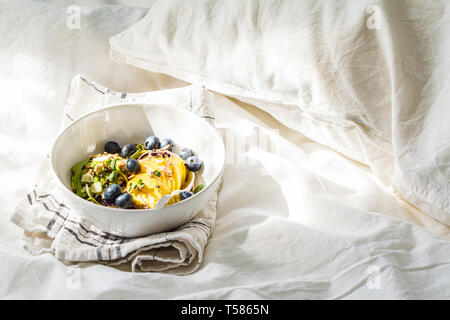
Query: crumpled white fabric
{"x": 368, "y": 78}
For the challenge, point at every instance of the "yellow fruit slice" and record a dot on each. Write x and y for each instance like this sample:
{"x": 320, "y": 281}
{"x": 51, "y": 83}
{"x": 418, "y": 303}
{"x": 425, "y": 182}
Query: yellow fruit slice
{"x": 160, "y": 175}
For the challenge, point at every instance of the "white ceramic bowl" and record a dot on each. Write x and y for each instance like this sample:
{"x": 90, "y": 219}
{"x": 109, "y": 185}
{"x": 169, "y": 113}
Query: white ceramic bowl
{"x": 133, "y": 123}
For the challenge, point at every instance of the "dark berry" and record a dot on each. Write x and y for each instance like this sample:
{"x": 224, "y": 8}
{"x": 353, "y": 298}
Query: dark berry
{"x": 112, "y": 147}
{"x": 133, "y": 165}
{"x": 185, "y": 195}
{"x": 152, "y": 142}
{"x": 112, "y": 192}
{"x": 124, "y": 201}
{"x": 128, "y": 150}
{"x": 194, "y": 163}
{"x": 185, "y": 153}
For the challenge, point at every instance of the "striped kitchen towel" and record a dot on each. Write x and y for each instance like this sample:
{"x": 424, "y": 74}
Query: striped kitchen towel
{"x": 50, "y": 226}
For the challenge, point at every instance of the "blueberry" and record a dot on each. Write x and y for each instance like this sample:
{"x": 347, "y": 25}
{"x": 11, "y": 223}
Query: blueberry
{"x": 128, "y": 150}
{"x": 185, "y": 194}
{"x": 152, "y": 142}
{"x": 185, "y": 153}
{"x": 124, "y": 201}
{"x": 112, "y": 147}
{"x": 112, "y": 192}
{"x": 194, "y": 163}
{"x": 169, "y": 142}
{"x": 133, "y": 165}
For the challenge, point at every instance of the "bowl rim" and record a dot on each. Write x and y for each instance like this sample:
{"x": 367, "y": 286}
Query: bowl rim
{"x": 120, "y": 210}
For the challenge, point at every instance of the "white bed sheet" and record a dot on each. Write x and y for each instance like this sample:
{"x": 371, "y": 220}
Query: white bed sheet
{"x": 337, "y": 234}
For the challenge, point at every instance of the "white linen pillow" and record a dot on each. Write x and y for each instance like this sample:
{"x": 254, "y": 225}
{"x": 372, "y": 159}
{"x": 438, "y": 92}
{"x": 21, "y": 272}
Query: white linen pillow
{"x": 362, "y": 77}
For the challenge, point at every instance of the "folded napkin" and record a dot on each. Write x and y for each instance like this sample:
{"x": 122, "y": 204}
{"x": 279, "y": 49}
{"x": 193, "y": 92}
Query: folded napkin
{"x": 51, "y": 226}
